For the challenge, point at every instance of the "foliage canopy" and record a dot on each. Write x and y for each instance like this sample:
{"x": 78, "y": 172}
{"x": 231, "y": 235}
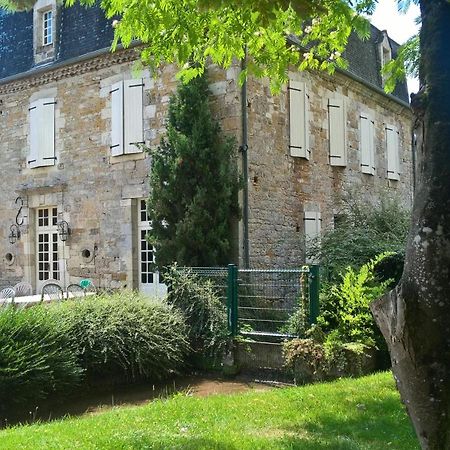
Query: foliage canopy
{"x": 273, "y": 33}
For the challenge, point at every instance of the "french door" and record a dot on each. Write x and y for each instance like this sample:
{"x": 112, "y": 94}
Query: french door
{"x": 47, "y": 246}
{"x": 148, "y": 278}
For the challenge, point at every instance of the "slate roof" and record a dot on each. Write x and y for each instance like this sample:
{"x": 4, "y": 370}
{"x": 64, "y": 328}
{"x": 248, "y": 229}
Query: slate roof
{"x": 80, "y": 31}
{"x": 83, "y": 30}
{"x": 364, "y": 60}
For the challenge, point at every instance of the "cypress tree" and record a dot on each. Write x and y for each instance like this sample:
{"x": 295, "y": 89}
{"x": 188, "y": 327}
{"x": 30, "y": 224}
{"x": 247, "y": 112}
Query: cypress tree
{"x": 193, "y": 184}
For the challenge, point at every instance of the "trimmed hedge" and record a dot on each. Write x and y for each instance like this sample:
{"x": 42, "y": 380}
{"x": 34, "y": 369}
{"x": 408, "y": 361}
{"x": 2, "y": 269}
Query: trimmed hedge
{"x": 49, "y": 350}
{"x": 37, "y": 358}
{"x": 125, "y": 334}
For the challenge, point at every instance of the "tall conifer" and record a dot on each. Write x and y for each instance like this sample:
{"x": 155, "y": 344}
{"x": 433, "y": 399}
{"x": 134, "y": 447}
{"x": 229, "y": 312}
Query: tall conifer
{"x": 193, "y": 184}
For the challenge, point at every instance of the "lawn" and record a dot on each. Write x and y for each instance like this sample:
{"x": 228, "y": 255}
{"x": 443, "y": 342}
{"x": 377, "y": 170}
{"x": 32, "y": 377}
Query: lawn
{"x": 365, "y": 413}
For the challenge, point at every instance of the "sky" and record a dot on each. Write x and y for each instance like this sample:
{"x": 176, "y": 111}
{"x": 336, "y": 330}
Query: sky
{"x": 398, "y": 25}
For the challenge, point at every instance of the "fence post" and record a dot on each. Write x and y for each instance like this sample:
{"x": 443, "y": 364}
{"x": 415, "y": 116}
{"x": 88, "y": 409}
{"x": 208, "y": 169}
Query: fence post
{"x": 314, "y": 286}
{"x": 232, "y": 299}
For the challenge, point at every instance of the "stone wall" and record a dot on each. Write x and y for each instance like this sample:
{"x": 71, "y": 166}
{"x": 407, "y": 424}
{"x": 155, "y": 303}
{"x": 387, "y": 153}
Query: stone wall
{"x": 97, "y": 194}
{"x": 282, "y": 187}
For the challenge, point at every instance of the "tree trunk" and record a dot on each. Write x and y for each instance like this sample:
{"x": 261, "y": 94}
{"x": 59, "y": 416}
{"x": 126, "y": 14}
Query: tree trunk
{"x": 415, "y": 317}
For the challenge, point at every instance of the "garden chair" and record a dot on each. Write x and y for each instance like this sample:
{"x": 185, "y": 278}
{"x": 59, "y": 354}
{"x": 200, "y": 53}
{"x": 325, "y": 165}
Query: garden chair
{"x": 52, "y": 292}
{"x": 75, "y": 290}
{"x": 88, "y": 285}
{"x": 23, "y": 289}
{"x": 5, "y": 294}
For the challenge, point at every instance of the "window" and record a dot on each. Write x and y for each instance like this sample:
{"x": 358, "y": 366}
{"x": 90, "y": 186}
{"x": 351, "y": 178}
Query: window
{"x": 299, "y": 120}
{"x": 337, "y": 131}
{"x": 339, "y": 220}
{"x": 366, "y": 143}
{"x": 392, "y": 153}
{"x": 127, "y": 127}
{"x": 42, "y": 133}
{"x": 47, "y": 28}
{"x": 387, "y": 55}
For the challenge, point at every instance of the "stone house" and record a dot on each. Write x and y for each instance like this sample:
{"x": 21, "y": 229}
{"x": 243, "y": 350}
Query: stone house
{"x": 73, "y": 183}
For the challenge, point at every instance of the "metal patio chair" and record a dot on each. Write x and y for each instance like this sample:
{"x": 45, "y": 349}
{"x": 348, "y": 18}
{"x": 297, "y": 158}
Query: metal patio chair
{"x": 75, "y": 290}
{"x": 5, "y": 294}
{"x": 23, "y": 289}
{"x": 88, "y": 285}
{"x": 52, "y": 292}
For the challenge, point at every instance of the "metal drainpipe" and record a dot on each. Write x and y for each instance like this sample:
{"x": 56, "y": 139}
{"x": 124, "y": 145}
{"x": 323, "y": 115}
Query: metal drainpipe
{"x": 413, "y": 159}
{"x": 244, "y": 150}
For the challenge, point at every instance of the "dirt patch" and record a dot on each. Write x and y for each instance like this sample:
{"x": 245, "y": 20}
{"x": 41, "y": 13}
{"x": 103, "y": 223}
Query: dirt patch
{"x": 95, "y": 402}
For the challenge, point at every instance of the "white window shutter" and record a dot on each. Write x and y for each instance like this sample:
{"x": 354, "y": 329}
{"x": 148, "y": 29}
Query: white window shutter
{"x": 313, "y": 224}
{"x": 392, "y": 151}
{"x": 117, "y": 114}
{"x": 46, "y": 146}
{"x": 298, "y": 120}
{"x": 33, "y": 155}
{"x": 366, "y": 143}
{"x": 42, "y": 133}
{"x": 337, "y": 131}
{"x": 133, "y": 116}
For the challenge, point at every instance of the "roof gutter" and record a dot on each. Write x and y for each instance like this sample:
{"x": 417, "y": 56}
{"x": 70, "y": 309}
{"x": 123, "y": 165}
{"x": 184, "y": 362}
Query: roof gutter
{"x": 373, "y": 87}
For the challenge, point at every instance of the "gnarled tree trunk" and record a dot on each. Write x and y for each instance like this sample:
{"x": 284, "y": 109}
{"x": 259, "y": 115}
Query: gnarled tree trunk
{"x": 415, "y": 317}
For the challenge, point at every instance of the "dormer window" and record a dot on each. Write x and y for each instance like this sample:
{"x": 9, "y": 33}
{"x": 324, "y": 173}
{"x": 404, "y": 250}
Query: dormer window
{"x": 47, "y": 28}
{"x": 45, "y": 19}
{"x": 385, "y": 51}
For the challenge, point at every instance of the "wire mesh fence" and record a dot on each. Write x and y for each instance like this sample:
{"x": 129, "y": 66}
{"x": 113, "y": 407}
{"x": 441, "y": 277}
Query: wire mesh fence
{"x": 217, "y": 275}
{"x": 265, "y": 301}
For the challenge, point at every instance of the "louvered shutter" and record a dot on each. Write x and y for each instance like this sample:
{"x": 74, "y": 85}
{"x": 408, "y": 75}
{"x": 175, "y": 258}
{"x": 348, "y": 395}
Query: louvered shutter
{"x": 392, "y": 153}
{"x": 42, "y": 133}
{"x": 367, "y": 144}
{"x": 46, "y": 147}
{"x": 133, "y": 115}
{"x": 298, "y": 120}
{"x": 117, "y": 115}
{"x": 337, "y": 130}
{"x": 313, "y": 223}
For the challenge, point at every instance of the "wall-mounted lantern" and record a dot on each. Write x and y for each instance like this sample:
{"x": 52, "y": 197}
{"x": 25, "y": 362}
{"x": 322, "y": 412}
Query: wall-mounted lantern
{"x": 63, "y": 230}
{"x": 14, "y": 233}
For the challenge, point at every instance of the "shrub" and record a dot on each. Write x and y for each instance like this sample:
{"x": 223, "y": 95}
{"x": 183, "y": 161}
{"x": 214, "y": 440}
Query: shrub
{"x": 37, "y": 357}
{"x": 362, "y": 232}
{"x": 297, "y": 324}
{"x": 205, "y": 313}
{"x": 345, "y": 308}
{"x": 125, "y": 334}
{"x": 306, "y": 359}
{"x": 309, "y": 360}
{"x": 344, "y": 340}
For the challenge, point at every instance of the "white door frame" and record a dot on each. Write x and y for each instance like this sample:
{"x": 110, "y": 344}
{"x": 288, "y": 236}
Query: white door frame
{"x": 148, "y": 279}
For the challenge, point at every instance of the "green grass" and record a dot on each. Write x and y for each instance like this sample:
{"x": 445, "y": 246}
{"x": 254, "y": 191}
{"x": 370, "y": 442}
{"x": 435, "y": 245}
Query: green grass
{"x": 365, "y": 413}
